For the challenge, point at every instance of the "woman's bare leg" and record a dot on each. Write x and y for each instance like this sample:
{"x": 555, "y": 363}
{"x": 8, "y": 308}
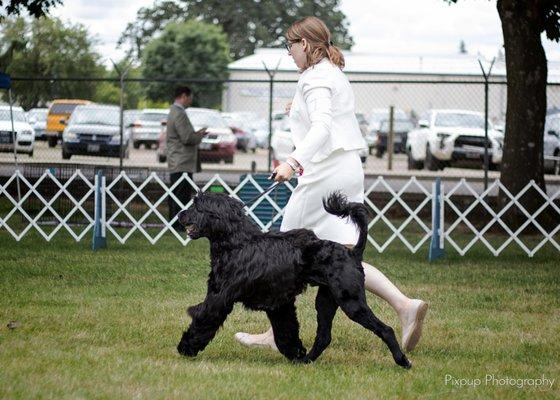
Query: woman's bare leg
{"x": 411, "y": 312}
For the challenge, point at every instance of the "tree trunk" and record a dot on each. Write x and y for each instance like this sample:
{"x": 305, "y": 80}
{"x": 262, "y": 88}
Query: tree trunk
{"x": 526, "y": 67}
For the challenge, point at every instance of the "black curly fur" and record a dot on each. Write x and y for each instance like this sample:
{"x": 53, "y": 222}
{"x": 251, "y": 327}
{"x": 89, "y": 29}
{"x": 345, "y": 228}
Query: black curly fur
{"x": 266, "y": 271}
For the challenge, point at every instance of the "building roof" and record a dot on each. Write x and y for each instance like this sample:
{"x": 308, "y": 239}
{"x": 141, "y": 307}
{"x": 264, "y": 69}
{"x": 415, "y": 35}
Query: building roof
{"x": 407, "y": 64}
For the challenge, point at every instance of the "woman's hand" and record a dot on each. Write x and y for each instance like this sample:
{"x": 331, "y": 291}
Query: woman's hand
{"x": 288, "y": 107}
{"x": 283, "y": 172}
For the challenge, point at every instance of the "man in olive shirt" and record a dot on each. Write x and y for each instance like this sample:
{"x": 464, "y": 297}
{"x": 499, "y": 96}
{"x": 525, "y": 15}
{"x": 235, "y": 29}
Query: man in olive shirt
{"x": 182, "y": 150}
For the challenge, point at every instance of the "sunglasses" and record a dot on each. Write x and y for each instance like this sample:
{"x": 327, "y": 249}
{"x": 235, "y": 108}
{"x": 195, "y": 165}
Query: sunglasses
{"x": 290, "y": 44}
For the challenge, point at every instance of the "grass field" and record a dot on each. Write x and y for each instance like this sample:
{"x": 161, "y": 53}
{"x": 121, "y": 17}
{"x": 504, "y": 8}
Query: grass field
{"x": 105, "y": 325}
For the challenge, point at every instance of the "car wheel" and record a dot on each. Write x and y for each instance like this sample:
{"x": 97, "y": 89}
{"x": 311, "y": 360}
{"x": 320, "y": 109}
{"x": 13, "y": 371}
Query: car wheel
{"x": 136, "y": 145}
{"x": 30, "y": 154}
{"x": 161, "y": 158}
{"x": 52, "y": 141}
{"x": 431, "y": 161}
{"x": 228, "y": 160}
{"x": 412, "y": 163}
{"x": 66, "y": 155}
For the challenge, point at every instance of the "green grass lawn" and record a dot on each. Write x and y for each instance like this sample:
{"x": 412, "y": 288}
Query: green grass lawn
{"x": 106, "y": 324}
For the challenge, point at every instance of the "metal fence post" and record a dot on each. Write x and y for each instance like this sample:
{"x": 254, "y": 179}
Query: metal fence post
{"x": 486, "y": 142}
{"x": 436, "y": 250}
{"x": 270, "y": 107}
{"x": 99, "y": 237}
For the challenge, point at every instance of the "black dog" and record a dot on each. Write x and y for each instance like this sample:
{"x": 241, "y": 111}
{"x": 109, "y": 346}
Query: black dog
{"x": 266, "y": 271}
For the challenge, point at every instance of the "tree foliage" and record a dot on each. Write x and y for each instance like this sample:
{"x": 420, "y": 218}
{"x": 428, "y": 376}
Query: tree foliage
{"x": 248, "y": 24}
{"x": 189, "y": 50}
{"x": 35, "y": 8}
{"x": 48, "y": 48}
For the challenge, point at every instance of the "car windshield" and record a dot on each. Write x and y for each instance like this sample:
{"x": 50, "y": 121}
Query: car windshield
{"x": 130, "y": 116}
{"x": 459, "y": 120}
{"x": 153, "y": 117}
{"x": 96, "y": 116}
{"x": 39, "y": 115}
{"x": 62, "y": 108}
{"x": 19, "y": 116}
{"x": 398, "y": 126}
{"x": 206, "y": 118}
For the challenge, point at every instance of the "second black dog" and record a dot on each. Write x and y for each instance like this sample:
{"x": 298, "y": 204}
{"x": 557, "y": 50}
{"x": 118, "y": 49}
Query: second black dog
{"x": 266, "y": 271}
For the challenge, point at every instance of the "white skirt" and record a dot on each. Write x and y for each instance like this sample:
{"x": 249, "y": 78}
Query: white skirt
{"x": 340, "y": 171}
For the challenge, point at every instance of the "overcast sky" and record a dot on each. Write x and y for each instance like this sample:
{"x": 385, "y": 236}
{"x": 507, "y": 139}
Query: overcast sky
{"x": 377, "y": 26}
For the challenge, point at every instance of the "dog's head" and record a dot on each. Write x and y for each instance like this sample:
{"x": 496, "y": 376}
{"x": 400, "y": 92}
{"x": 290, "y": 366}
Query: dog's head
{"x": 212, "y": 215}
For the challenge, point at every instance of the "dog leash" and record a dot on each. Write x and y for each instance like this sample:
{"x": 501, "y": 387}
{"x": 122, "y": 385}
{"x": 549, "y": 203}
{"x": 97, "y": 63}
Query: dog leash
{"x": 267, "y": 190}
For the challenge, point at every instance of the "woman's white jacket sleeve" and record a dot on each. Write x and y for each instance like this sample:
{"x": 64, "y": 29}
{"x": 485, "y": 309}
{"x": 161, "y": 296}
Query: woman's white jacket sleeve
{"x": 317, "y": 95}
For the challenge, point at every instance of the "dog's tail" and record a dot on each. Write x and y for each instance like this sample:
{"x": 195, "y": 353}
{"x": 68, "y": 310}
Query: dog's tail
{"x": 337, "y": 204}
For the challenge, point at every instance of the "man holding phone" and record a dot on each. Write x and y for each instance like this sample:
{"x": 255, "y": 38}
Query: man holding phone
{"x": 182, "y": 150}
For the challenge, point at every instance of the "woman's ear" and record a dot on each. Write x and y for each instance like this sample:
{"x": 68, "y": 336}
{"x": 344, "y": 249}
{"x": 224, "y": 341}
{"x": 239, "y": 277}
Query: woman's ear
{"x": 304, "y": 44}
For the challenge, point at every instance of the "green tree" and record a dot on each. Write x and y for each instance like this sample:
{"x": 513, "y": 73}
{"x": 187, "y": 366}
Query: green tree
{"x": 185, "y": 51}
{"x": 48, "y": 48}
{"x": 248, "y": 24}
{"x": 109, "y": 92}
{"x": 523, "y": 22}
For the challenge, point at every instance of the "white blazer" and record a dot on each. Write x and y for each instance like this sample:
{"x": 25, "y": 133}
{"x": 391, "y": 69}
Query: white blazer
{"x": 322, "y": 115}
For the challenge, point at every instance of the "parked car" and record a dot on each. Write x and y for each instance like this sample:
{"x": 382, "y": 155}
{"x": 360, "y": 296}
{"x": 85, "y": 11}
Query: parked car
{"x": 24, "y": 134}
{"x": 59, "y": 112}
{"x": 218, "y": 144}
{"x": 146, "y": 126}
{"x": 445, "y": 137}
{"x": 376, "y": 117}
{"x": 129, "y": 116}
{"x": 552, "y": 144}
{"x": 362, "y": 121}
{"x": 37, "y": 118}
{"x": 281, "y": 143}
{"x": 260, "y": 129}
{"x": 278, "y": 119}
{"x": 94, "y": 130}
{"x": 239, "y": 124}
{"x": 400, "y": 133}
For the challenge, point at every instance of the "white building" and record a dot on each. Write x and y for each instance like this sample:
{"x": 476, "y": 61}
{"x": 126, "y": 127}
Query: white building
{"x": 410, "y": 82}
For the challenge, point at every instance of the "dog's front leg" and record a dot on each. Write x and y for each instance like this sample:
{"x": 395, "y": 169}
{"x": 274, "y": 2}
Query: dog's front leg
{"x": 207, "y": 319}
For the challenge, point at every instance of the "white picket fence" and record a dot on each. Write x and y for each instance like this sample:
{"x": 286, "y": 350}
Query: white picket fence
{"x": 116, "y": 218}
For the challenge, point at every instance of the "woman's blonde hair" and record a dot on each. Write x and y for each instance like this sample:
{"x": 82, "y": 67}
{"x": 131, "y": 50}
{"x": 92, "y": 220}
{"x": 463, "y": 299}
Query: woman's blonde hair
{"x": 318, "y": 37}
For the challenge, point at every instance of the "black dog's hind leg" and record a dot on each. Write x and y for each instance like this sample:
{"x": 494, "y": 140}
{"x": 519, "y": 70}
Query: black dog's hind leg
{"x": 356, "y": 308}
{"x": 207, "y": 319}
{"x": 286, "y": 331}
{"x": 326, "y": 307}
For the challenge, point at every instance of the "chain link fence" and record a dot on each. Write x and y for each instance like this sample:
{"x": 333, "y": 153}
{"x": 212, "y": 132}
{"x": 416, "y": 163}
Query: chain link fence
{"x": 248, "y": 129}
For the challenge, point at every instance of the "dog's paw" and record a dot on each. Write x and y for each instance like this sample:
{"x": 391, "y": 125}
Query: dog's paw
{"x": 302, "y": 360}
{"x": 403, "y": 362}
{"x": 186, "y": 350}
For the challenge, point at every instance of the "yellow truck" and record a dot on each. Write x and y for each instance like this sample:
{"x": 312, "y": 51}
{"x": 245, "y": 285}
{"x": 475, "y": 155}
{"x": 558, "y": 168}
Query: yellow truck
{"x": 59, "y": 113}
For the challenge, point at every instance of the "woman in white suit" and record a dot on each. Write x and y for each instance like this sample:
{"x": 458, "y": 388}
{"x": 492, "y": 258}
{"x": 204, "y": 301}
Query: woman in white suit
{"x": 327, "y": 141}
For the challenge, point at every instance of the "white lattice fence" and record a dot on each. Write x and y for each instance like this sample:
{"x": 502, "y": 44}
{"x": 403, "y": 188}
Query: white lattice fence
{"x": 24, "y": 192}
{"x": 130, "y": 207}
{"x": 495, "y": 217}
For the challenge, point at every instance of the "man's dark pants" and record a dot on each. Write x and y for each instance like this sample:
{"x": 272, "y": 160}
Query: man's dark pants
{"x": 183, "y": 191}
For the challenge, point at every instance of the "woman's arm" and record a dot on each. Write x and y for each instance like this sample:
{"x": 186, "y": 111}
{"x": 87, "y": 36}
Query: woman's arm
{"x": 318, "y": 99}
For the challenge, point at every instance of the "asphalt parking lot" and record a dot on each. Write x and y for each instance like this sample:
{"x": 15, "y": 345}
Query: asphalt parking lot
{"x": 147, "y": 158}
